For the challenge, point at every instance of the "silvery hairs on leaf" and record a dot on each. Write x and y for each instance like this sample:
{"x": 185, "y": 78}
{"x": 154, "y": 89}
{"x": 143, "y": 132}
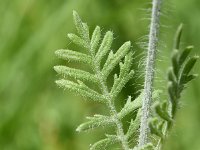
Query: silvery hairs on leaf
{"x": 99, "y": 48}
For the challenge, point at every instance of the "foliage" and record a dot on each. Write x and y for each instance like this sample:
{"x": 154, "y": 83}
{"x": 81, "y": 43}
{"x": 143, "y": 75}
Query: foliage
{"x": 178, "y": 77}
{"x": 96, "y": 51}
{"x": 35, "y": 114}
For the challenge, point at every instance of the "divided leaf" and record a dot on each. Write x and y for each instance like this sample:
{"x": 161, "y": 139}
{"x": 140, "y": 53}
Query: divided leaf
{"x": 97, "y": 51}
{"x": 125, "y": 75}
{"x": 94, "y": 122}
{"x": 73, "y": 56}
{"x": 134, "y": 125}
{"x": 178, "y": 76}
{"x": 81, "y": 89}
{"x": 105, "y": 47}
{"x": 96, "y": 37}
{"x": 81, "y": 27}
{"x": 113, "y": 61}
{"x": 105, "y": 143}
{"x": 77, "y": 40}
{"x": 76, "y": 73}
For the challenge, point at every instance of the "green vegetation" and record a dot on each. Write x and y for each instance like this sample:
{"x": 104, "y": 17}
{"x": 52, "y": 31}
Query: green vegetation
{"x": 35, "y": 114}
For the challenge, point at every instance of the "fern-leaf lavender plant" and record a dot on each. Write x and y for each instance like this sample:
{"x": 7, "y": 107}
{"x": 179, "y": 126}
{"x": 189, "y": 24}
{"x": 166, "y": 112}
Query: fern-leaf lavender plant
{"x": 102, "y": 61}
{"x": 97, "y": 49}
{"x": 178, "y": 76}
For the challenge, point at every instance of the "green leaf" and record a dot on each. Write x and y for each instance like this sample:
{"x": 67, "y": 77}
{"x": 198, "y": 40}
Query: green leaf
{"x": 96, "y": 36}
{"x": 73, "y": 56}
{"x": 126, "y": 66}
{"x": 134, "y": 125}
{"x": 112, "y": 62}
{"x": 184, "y": 55}
{"x": 131, "y": 106}
{"x": 177, "y": 38}
{"x": 124, "y": 76}
{"x": 81, "y": 27}
{"x": 105, "y": 47}
{"x": 171, "y": 76}
{"x": 95, "y": 122}
{"x": 175, "y": 62}
{"x": 77, "y": 40}
{"x": 105, "y": 143}
{"x": 190, "y": 77}
{"x": 154, "y": 128}
{"x": 173, "y": 97}
{"x": 81, "y": 89}
{"x": 97, "y": 50}
{"x": 162, "y": 111}
{"x": 116, "y": 89}
{"x": 189, "y": 65}
{"x": 86, "y": 33}
{"x": 148, "y": 146}
{"x": 76, "y": 73}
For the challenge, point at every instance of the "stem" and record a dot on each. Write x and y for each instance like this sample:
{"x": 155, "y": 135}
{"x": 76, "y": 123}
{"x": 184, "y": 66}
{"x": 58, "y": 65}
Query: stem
{"x": 149, "y": 72}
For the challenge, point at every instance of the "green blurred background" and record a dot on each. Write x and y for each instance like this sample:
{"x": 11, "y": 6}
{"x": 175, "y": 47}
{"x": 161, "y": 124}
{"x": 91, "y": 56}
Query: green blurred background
{"x": 35, "y": 114}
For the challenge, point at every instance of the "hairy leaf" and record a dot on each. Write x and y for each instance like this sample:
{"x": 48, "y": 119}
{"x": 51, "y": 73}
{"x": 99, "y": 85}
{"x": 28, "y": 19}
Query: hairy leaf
{"x": 113, "y": 61}
{"x": 185, "y": 53}
{"x": 76, "y": 73}
{"x": 73, "y": 56}
{"x": 105, "y": 143}
{"x": 177, "y": 38}
{"x": 81, "y": 27}
{"x": 105, "y": 47}
{"x": 81, "y": 89}
{"x": 96, "y": 36}
{"x": 134, "y": 125}
{"x": 97, "y": 50}
{"x": 77, "y": 40}
{"x": 94, "y": 122}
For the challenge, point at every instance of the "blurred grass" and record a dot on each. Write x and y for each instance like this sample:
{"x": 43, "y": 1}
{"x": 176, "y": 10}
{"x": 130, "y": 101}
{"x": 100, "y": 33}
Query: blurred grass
{"x": 34, "y": 113}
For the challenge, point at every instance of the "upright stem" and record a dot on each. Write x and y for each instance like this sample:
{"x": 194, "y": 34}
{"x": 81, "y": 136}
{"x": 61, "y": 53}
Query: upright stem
{"x": 149, "y": 71}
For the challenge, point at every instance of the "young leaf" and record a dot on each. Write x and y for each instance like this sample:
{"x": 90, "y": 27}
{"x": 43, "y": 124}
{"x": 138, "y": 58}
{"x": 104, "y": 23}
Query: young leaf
{"x": 96, "y": 52}
{"x": 189, "y": 78}
{"x": 153, "y": 125}
{"x": 175, "y": 62}
{"x": 185, "y": 53}
{"x": 130, "y": 106}
{"x": 81, "y": 27}
{"x": 77, "y": 40}
{"x": 112, "y": 62}
{"x": 189, "y": 65}
{"x": 105, "y": 46}
{"x": 81, "y": 89}
{"x": 177, "y": 38}
{"x": 134, "y": 125}
{"x": 73, "y": 56}
{"x": 162, "y": 111}
{"x": 96, "y": 36}
{"x": 105, "y": 143}
{"x": 76, "y": 74}
{"x": 94, "y": 122}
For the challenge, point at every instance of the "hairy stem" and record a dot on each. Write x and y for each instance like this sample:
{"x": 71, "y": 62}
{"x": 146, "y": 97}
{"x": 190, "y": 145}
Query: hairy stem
{"x": 149, "y": 72}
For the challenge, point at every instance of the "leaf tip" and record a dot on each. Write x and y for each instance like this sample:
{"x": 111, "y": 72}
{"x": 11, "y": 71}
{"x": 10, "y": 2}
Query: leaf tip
{"x": 78, "y": 129}
{"x": 58, "y": 52}
{"x": 70, "y": 35}
{"x": 75, "y": 14}
{"x": 196, "y": 57}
